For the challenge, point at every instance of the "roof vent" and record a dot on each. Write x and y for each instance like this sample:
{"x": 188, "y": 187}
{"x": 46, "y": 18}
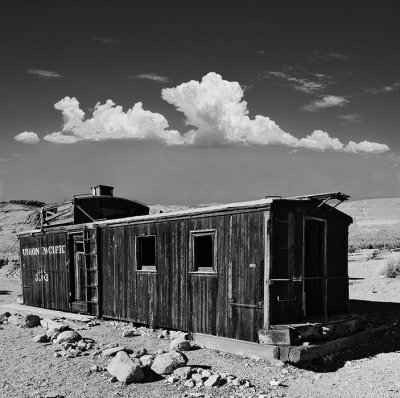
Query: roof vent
{"x": 102, "y": 190}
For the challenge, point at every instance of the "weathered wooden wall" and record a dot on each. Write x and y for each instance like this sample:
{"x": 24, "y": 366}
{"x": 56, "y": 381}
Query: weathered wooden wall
{"x": 174, "y": 297}
{"x": 45, "y": 276}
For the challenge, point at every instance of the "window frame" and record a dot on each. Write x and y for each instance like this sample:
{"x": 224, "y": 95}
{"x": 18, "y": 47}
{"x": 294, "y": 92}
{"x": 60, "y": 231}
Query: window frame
{"x": 203, "y": 270}
{"x": 145, "y": 268}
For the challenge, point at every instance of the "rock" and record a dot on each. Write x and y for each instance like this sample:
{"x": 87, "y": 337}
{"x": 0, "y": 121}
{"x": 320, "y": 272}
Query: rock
{"x": 95, "y": 368}
{"x": 54, "y": 336}
{"x": 81, "y": 345}
{"x": 111, "y": 345}
{"x": 160, "y": 351}
{"x": 32, "y": 321}
{"x": 183, "y": 373}
{"x": 179, "y": 335}
{"x": 139, "y": 353}
{"x": 172, "y": 379}
{"x": 273, "y": 383}
{"x": 129, "y": 333}
{"x": 180, "y": 345}
{"x": 198, "y": 377}
{"x": 189, "y": 383}
{"x": 69, "y": 336}
{"x": 167, "y": 363}
{"x": 213, "y": 381}
{"x": 146, "y": 361}
{"x": 17, "y": 320}
{"x": 125, "y": 369}
{"x": 4, "y": 316}
{"x": 110, "y": 352}
{"x": 165, "y": 334}
{"x": 206, "y": 373}
{"x": 113, "y": 379}
{"x": 41, "y": 338}
{"x": 56, "y": 354}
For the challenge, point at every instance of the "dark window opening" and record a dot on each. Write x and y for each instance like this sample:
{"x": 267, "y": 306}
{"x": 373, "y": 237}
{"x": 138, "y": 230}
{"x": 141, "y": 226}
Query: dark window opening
{"x": 203, "y": 252}
{"x": 79, "y": 247}
{"x": 146, "y": 253}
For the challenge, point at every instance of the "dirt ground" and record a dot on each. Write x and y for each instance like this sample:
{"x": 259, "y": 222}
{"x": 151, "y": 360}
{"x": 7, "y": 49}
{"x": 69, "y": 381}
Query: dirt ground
{"x": 370, "y": 369}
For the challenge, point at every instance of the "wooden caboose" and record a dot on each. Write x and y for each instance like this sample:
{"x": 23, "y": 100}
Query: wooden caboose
{"x": 243, "y": 271}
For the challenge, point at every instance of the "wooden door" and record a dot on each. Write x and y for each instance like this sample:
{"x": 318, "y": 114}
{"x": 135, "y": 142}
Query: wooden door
{"x": 84, "y": 273}
{"x": 314, "y": 293}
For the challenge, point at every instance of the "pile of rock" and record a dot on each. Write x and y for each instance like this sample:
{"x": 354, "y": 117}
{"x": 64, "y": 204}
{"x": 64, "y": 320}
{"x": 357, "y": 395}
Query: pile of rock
{"x": 20, "y": 320}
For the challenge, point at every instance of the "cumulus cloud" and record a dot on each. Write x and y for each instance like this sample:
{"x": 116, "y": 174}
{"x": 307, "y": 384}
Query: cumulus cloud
{"x": 327, "y": 101}
{"x": 27, "y": 137}
{"x": 45, "y": 74}
{"x": 213, "y": 108}
{"x": 153, "y": 76}
{"x": 109, "y": 121}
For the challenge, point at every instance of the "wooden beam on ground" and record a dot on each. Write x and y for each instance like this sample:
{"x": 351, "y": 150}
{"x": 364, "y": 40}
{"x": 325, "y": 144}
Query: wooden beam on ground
{"x": 238, "y": 347}
{"x": 296, "y": 354}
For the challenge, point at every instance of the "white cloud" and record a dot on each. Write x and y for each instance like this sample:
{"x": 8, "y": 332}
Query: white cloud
{"x": 385, "y": 89}
{"x": 327, "y": 101}
{"x": 109, "y": 121}
{"x": 213, "y": 107}
{"x": 301, "y": 84}
{"x": 350, "y": 118}
{"x": 329, "y": 55}
{"x": 153, "y": 76}
{"x": 45, "y": 74}
{"x": 105, "y": 40}
{"x": 27, "y": 137}
{"x": 366, "y": 146}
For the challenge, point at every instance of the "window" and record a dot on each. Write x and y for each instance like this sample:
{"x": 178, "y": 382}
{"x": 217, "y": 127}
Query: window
{"x": 146, "y": 253}
{"x": 203, "y": 251}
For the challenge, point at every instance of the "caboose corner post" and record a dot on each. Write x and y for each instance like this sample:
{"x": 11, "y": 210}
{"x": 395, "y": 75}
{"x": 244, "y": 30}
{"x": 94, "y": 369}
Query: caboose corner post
{"x": 267, "y": 259}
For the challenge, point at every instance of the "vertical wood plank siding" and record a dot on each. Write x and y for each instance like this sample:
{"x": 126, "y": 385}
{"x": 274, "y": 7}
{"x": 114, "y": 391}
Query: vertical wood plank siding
{"x": 173, "y": 296}
{"x": 45, "y": 277}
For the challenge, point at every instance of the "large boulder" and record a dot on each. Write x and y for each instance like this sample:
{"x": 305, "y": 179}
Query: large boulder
{"x": 69, "y": 336}
{"x": 180, "y": 345}
{"x": 125, "y": 369}
{"x": 165, "y": 364}
{"x": 32, "y": 321}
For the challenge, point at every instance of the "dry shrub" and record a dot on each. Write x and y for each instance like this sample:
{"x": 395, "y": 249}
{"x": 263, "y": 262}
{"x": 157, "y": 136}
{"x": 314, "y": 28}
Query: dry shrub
{"x": 392, "y": 268}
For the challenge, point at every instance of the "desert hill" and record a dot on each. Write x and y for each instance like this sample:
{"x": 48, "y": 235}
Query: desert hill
{"x": 376, "y": 223}
{"x": 15, "y": 216}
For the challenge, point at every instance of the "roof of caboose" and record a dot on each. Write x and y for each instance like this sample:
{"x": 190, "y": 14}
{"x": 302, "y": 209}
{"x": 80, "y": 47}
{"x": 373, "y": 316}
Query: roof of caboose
{"x": 320, "y": 199}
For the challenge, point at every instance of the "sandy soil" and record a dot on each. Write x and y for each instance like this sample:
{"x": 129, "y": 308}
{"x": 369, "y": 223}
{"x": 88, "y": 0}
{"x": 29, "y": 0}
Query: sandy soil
{"x": 370, "y": 369}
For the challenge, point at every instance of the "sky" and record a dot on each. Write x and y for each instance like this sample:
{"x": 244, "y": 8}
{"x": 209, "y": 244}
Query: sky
{"x": 203, "y": 102}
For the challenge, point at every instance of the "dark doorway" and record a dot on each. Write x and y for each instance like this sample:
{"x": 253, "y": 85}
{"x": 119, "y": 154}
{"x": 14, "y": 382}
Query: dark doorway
{"x": 78, "y": 274}
{"x": 314, "y": 302}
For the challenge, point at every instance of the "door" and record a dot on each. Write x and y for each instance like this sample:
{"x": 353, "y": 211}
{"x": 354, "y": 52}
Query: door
{"x": 84, "y": 273}
{"x": 314, "y": 286}
{"x": 78, "y": 274}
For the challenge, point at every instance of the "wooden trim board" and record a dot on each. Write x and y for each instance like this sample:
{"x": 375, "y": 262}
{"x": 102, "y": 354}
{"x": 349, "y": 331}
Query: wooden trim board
{"x": 237, "y": 347}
